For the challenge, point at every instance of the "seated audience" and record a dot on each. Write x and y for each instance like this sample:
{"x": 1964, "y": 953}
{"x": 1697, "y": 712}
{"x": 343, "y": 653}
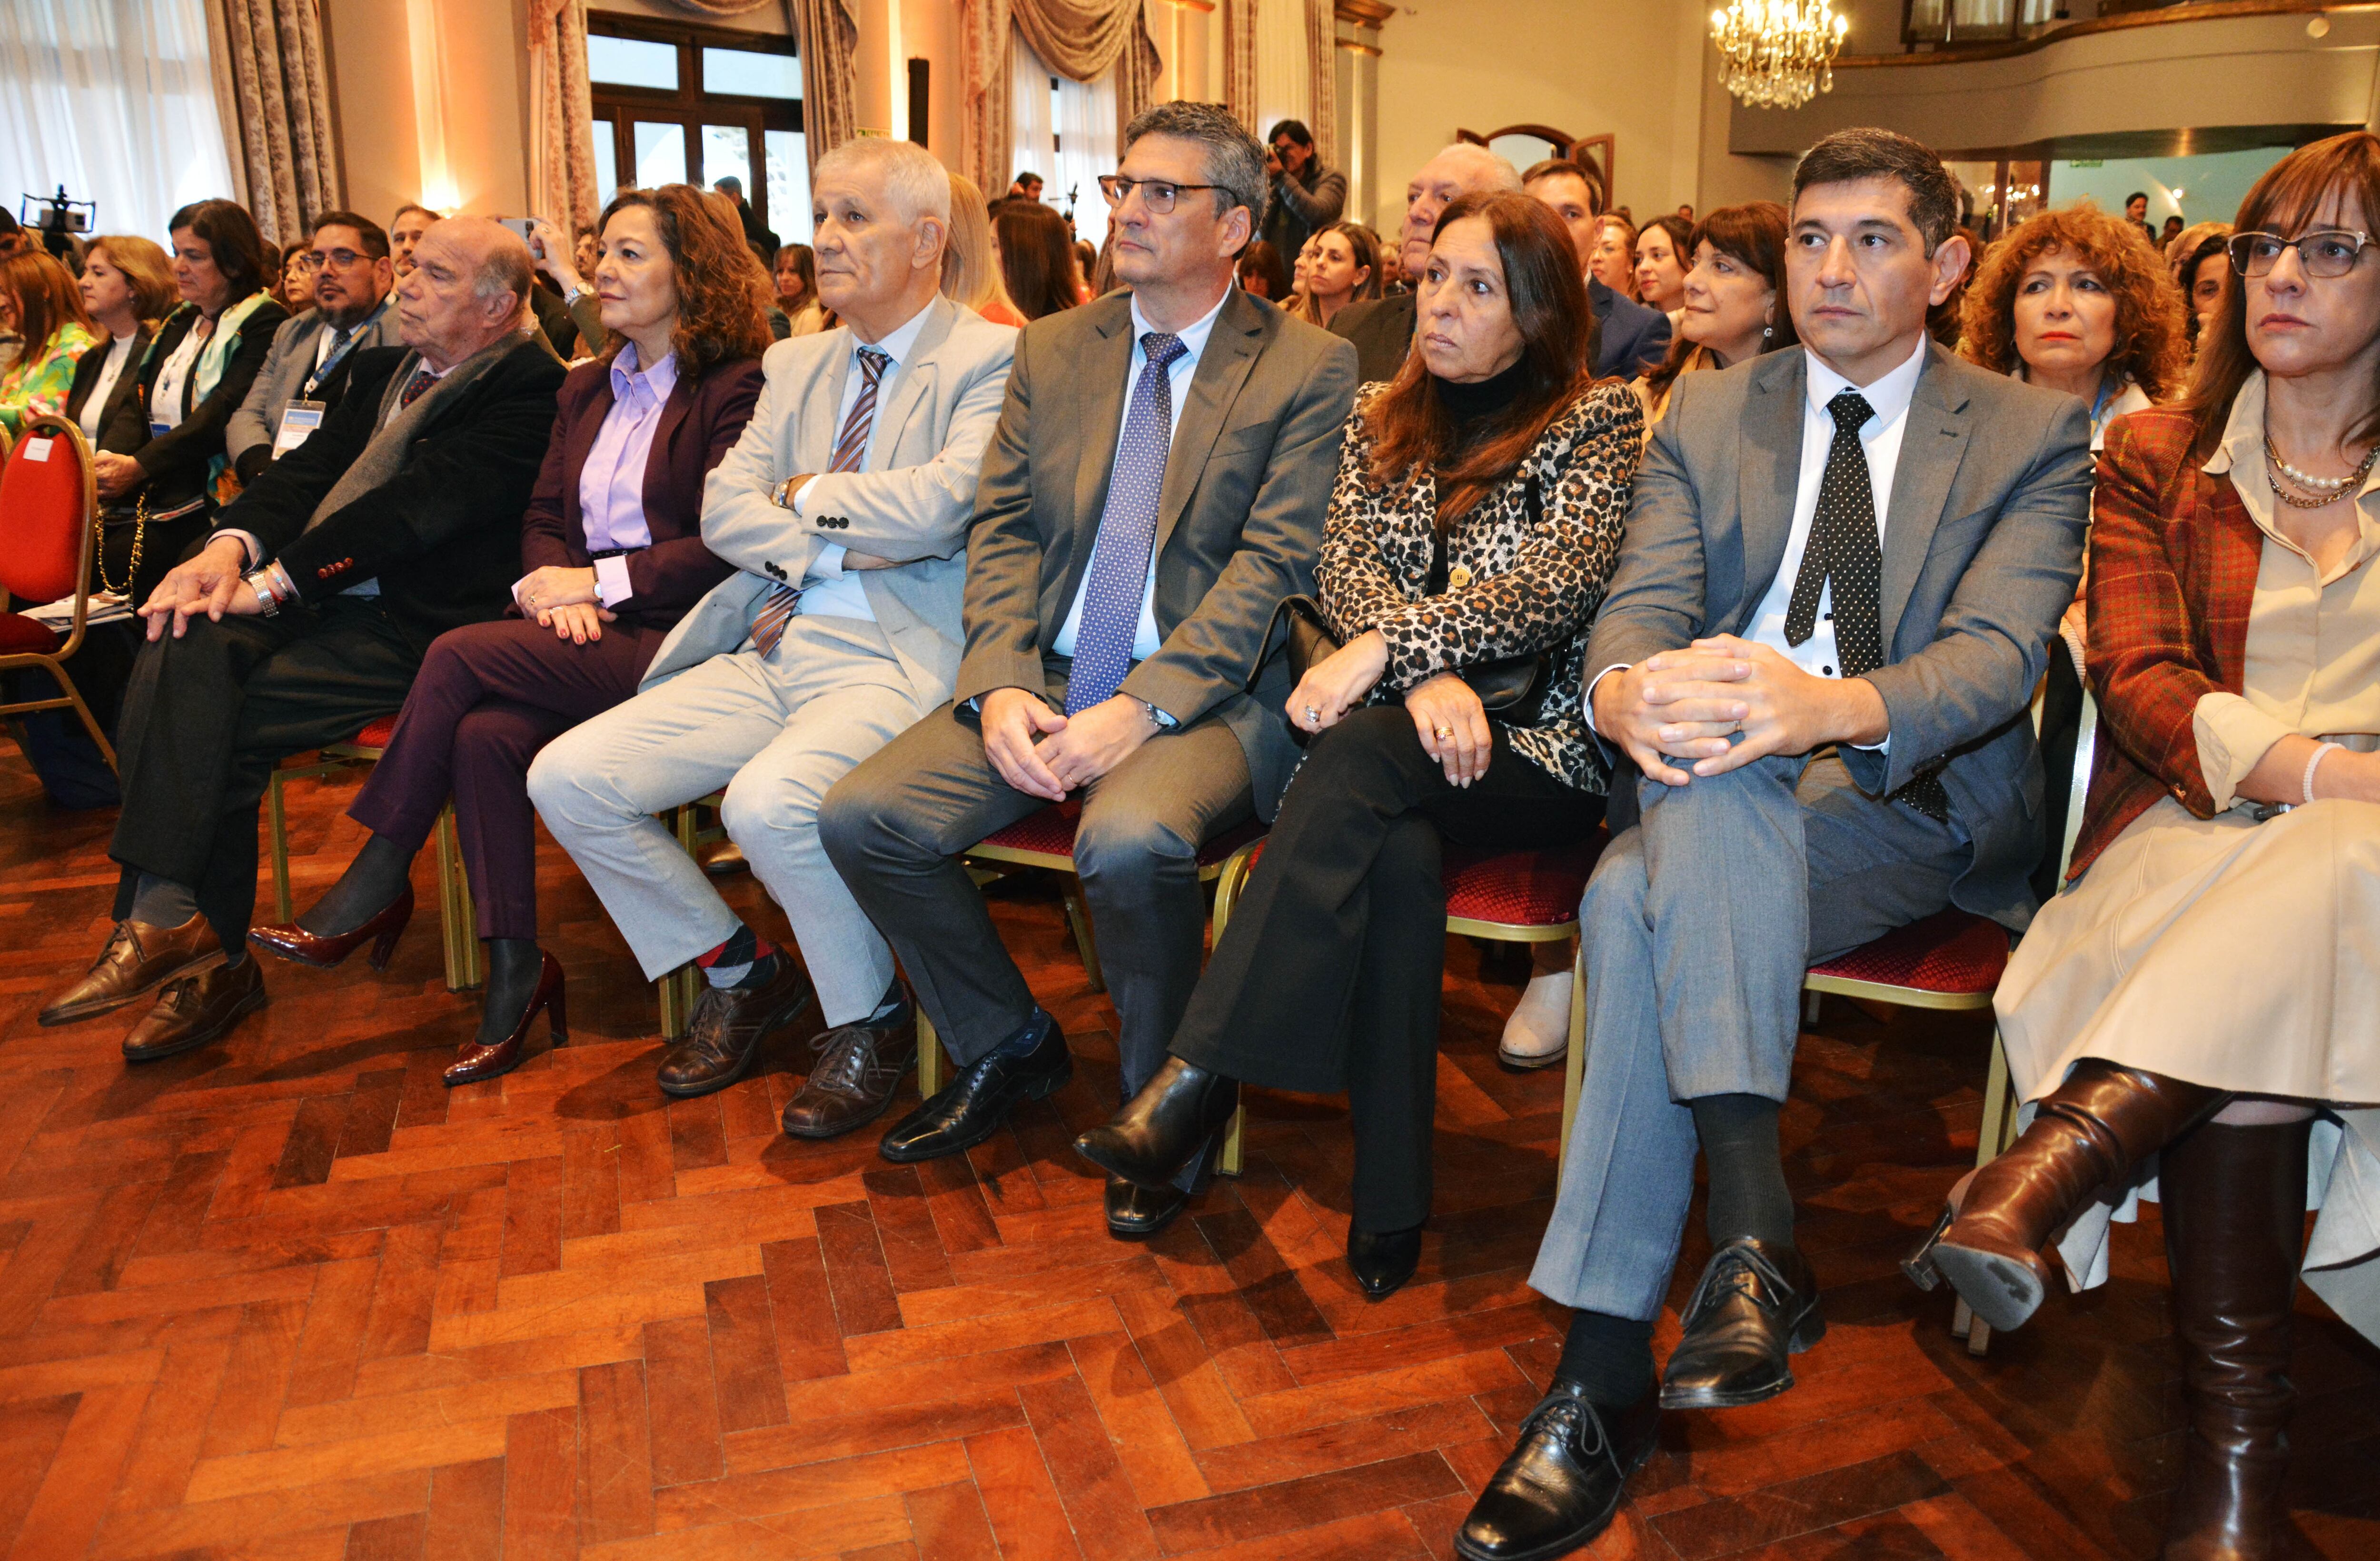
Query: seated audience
{"x": 40, "y": 305}
{"x": 758, "y": 235}
{"x": 971, "y": 260}
{"x": 1474, "y": 522}
{"x": 1383, "y": 330}
{"x": 1629, "y": 338}
{"x": 2205, "y": 278}
{"x": 306, "y": 615}
{"x": 163, "y": 457}
{"x": 796, "y": 281}
{"x": 404, "y": 230}
{"x": 2202, "y": 988}
{"x": 569, "y": 275}
{"x": 2172, "y": 231}
{"x": 1665, "y": 251}
{"x": 294, "y": 290}
{"x": 1302, "y": 197}
{"x": 1087, "y": 260}
{"x": 1099, "y": 664}
{"x": 306, "y": 371}
{"x": 838, "y": 628}
{"x": 1841, "y": 571}
{"x": 1037, "y": 259}
{"x": 1262, "y": 275}
{"x": 126, "y": 287}
{"x": 613, "y": 556}
{"x": 584, "y": 251}
{"x": 1734, "y": 297}
{"x": 1392, "y": 274}
{"x": 1613, "y": 255}
{"x": 1345, "y": 269}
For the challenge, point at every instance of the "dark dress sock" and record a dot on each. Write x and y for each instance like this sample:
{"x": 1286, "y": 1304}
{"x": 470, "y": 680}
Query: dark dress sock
{"x": 513, "y": 965}
{"x": 160, "y": 902}
{"x": 370, "y": 884}
{"x": 1748, "y": 1195}
{"x": 1611, "y": 1359}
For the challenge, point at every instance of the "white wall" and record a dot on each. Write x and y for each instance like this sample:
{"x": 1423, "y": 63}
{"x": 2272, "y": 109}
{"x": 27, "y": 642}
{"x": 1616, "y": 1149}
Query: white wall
{"x": 2211, "y": 185}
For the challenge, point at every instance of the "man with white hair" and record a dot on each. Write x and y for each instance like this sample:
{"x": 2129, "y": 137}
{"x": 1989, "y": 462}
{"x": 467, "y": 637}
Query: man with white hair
{"x": 306, "y": 616}
{"x": 844, "y": 508}
{"x": 1382, "y": 329}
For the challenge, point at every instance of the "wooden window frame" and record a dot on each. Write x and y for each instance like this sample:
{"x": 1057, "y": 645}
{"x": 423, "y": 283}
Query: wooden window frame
{"x": 618, "y": 108}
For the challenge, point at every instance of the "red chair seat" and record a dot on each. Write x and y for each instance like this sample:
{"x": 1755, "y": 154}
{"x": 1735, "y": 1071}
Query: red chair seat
{"x": 1952, "y": 953}
{"x": 1050, "y": 832}
{"x": 1538, "y": 888}
{"x": 22, "y": 636}
{"x": 376, "y": 735}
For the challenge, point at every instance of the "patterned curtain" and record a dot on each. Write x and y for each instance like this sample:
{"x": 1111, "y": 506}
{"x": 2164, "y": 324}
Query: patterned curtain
{"x": 1240, "y": 62}
{"x": 561, "y": 136}
{"x": 829, "y": 42}
{"x": 1322, "y": 59}
{"x": 275, "y": 87}
{"x": 717, "y": 7}
{"x": 1081, "y": 39}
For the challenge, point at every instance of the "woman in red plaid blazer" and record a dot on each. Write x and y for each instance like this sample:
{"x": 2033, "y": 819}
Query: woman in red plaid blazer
{"x": 2201, "y": 1004}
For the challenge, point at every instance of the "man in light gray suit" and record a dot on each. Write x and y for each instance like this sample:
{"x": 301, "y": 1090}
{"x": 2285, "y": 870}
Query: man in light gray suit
{"x": 844, "y": 508}
{"x": 306, "y": 371}
{"x": 1157, "y": 486}
{"x": 1843, "y": 567}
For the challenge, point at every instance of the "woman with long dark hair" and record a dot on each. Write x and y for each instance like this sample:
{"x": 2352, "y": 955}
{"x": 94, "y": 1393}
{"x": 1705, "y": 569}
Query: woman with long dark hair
{"x": 1733, "y": 306}
{"x": 1037, "y": 259}
{"x": 1474, "y": 526}
{"x": 613, "y": 551}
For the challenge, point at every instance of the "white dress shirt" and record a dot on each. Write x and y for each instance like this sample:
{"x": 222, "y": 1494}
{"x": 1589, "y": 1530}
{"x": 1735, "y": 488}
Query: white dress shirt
{"x": 1178, "y": 375}
{"x": 119, "y": 351}
{"x": 826, "y": 589}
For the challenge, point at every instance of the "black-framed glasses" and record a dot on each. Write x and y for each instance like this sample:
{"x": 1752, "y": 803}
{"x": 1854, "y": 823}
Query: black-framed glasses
{"x": 2326, "y": 254}
{"x": 1158, "y": 195}
{"x": 318, "y": 259}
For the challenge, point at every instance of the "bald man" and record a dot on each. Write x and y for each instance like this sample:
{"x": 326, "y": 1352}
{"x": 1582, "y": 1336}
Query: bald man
{"x": 1382, "y": 329}
{"x": 305, "y": 618}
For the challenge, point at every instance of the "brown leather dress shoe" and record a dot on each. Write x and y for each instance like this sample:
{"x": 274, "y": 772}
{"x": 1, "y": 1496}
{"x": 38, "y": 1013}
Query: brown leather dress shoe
{"x": 858, "y": 1068}
{"x": 139, "y": 959}
{"x": 193, "y": 1010}
{"x": 726, "y": 1028}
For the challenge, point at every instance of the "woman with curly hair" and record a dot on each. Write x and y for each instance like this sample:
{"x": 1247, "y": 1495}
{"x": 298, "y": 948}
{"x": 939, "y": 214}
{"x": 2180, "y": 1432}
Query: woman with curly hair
{"x": 613, "y": 553}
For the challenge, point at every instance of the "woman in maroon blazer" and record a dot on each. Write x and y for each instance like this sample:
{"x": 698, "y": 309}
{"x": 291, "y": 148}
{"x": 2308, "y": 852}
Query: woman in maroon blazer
{"x": 612, "y": 548}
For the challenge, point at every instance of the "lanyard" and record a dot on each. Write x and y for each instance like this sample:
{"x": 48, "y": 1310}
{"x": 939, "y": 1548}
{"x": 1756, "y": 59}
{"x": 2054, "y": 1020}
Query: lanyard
{"x": 338, "y": 353}
{"x": 2099, "y": 408}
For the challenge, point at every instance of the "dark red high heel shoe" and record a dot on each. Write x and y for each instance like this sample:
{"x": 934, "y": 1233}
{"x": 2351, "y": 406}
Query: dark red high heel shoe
{"x": 477, "y": 1062}
{"x": 291, "y": 941}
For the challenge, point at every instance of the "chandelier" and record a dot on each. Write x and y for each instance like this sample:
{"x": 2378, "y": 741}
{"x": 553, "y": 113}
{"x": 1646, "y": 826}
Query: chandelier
{"x": 1778, "y": 54}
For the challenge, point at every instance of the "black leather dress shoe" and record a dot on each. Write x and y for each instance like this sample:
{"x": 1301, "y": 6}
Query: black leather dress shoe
{"x": 1383, "y": 1261}
{"x": 1134, "y": 1214}
{"x": 1757, "y": 1303}
{"x": 972, "y": 1107}
{"x": 1163, "y": 1127}
{"x": 1563, "y": 1481}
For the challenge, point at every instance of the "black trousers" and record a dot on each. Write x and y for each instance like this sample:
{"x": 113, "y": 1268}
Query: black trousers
{"x": 1328, "y": 977}
{"x": 207, "y": 716}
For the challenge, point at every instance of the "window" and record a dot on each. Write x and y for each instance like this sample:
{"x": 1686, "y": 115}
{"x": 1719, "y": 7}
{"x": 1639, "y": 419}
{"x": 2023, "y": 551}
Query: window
{"x": 692, "y": 104}
{"x": 1065, "y": 131}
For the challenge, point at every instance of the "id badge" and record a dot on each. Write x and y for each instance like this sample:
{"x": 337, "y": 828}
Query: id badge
{"x": 299, "y": 421}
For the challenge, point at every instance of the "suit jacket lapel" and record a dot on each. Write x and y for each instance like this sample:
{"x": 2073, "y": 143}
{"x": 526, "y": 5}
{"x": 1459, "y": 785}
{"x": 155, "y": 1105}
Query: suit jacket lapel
{"x": 1769, "y": 473}
{"x": 1101, "y": 398}
{"x": 1933, "y": 441}
{"x": 823, "y": 412}
{"x": 1222, "y": 367}
{"x": 913, "y": 378}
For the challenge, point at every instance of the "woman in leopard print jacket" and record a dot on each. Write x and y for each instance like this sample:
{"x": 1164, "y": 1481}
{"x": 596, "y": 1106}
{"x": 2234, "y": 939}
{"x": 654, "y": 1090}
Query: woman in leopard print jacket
{"x": 1477, "y": 517}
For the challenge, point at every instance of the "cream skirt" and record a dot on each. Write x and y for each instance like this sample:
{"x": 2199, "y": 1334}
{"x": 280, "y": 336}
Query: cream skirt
{"x": 2234, "y": 955}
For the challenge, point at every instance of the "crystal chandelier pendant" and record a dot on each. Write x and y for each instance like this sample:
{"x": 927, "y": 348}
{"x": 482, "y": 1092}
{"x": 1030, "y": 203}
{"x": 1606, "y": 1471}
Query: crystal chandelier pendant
{"x": 1778, "y": 54}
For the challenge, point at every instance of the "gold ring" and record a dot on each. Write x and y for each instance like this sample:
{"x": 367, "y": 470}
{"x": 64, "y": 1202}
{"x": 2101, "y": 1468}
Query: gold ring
{"x": 1445, "y": 732}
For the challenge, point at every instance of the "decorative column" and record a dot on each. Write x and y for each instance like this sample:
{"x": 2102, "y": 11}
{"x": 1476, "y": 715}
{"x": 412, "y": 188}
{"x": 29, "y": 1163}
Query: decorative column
{"x": 1358, "y": 109}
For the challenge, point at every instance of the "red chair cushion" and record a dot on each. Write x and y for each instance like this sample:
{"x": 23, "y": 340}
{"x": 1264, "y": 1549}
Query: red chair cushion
{"x": 43, "y": 500}
{"x": 1050, "y": 832}
{"x": 377, "y": 734}
{"x": 1516, "y": 888}
{"x": 21, "y": 636}
{"x": 1951, "y": 952}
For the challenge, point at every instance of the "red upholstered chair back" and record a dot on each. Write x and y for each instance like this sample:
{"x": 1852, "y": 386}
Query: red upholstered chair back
{"x": 44, "y": 510}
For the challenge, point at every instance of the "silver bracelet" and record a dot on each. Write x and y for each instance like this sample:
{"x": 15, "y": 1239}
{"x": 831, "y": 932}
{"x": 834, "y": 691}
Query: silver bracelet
{"x": 2321, "y": 751}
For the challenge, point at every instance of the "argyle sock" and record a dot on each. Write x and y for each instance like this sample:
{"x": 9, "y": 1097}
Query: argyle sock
{"x": 743, "y": 960}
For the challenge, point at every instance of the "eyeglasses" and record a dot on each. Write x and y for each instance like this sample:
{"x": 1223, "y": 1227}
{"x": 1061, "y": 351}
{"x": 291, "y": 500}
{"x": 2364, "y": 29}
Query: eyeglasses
{"x": 343, "y": 259}
{"x": 2327, "y": 254}
{"x": 1158, "y": 195}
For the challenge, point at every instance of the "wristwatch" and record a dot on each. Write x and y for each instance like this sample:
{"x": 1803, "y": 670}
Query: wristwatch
{"x": 783, "y": 496}
{"x": 271, "y": 582}
{"x": 1158, "y": 718}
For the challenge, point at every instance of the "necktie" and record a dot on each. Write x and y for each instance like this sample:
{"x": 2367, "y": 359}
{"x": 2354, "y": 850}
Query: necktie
{"x": 423, "y": 380}
{"x": 1127, "y": 533}
{"x": 1843, "y": 553}
{"x": 850, "y": 446}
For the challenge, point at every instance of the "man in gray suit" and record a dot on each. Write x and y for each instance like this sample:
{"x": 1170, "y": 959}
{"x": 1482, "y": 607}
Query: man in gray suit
{"x": 306, "y": 371}
{"x": 1156, "y": 487}
{"x": 1843, "y": 567}
{"x": 844, "y": 508}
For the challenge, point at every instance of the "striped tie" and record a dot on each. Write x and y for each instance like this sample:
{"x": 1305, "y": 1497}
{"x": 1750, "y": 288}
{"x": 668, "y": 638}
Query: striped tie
{"x": 770, "y": 625}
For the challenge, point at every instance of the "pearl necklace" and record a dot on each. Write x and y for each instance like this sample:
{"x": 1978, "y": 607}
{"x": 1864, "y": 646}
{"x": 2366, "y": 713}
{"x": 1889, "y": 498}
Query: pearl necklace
{"x": 2328, "y": 490}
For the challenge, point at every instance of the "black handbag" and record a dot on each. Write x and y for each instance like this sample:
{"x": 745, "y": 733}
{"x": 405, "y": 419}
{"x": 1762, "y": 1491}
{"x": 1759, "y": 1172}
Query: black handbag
{"x": 1511, "y": 688}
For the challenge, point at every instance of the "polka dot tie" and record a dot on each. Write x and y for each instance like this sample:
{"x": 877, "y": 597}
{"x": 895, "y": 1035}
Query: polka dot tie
{"x": 1127, "y": 533}
{"x": 1844, "y": 563}
{"x": 423, "y": 380}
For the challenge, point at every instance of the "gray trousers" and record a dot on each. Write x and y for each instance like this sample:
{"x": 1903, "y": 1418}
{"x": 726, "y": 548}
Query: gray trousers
{"x": 1697, "y": 927}
{"x": 896, "y": 825}
{"x": 777, "y": 731}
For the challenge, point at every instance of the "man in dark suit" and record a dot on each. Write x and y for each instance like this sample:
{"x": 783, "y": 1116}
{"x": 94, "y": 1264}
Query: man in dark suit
{"x": 305, "y": 616}
{"x": 306, "y": 368}
{"x": 1382, "y": 329}
{"x": 1843, "y": 569}
{"x": 1630, "y": 338}
{"x": 1155, "y": 487}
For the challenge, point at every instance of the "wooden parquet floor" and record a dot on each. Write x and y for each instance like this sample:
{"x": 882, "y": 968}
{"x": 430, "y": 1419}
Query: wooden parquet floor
{"x": 289, "y": 1297}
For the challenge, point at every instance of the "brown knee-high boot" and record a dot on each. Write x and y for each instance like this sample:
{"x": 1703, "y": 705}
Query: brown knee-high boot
{"x": 2095, "y": 1128}
{"x": 2234, "y": 1202}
